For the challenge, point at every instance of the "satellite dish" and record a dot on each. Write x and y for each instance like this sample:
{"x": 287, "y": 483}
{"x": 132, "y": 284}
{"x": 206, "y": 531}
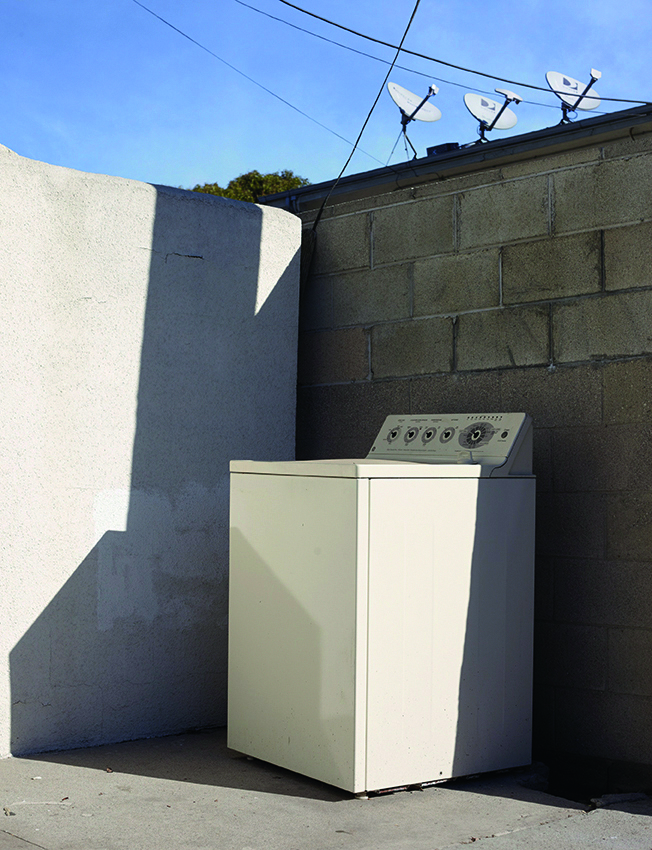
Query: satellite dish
{"x": 491, "y": 114}
{"x": 572, "y": 93}
{"x": 413, "y": 108}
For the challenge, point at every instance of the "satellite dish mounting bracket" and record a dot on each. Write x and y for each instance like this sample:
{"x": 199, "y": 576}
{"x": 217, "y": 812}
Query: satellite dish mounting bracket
{"x": 405, "y": 120}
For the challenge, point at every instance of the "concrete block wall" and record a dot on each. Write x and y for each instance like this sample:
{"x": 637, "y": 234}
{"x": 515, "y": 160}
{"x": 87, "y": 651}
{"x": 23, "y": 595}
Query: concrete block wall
{"x": 148, "y": 337}
{"x": 524, "y": 286}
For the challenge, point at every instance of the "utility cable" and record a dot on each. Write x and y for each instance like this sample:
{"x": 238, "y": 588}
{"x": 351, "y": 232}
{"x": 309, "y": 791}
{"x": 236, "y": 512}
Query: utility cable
{"x": 366, "y": 121}
{"x": 379, "y": 59}
{"x": 251, "y": 79}
{"x": 440, "y": 61}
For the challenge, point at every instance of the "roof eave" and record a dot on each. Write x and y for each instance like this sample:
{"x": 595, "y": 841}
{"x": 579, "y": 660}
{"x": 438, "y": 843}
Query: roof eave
{"x": 551, "y": 140}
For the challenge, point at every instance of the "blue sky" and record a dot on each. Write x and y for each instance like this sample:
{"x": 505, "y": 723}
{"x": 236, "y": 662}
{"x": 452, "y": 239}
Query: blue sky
{"x": 103, "y": 86}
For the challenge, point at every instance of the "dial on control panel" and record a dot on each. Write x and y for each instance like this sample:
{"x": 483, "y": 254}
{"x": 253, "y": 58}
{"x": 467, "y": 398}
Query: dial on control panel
{"x": 428, "y": 435}
{"x": 411, "y": 434}
{"x": 447, "y": 435}
{"x": 476, "y": 434}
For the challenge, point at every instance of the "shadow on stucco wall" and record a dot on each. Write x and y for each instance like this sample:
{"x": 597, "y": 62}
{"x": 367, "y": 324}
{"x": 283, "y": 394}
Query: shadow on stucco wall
{"x": 134, "y": 642}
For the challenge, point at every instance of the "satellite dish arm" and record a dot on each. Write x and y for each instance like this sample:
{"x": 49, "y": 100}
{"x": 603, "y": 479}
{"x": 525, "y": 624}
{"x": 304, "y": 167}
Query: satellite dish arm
{"x": 510, "y": 97}
{"x": 431, "y": 91}
{"x": 405, "y": 118}
{"x": 595, "y": 75}
{"x": 500, "y": 112}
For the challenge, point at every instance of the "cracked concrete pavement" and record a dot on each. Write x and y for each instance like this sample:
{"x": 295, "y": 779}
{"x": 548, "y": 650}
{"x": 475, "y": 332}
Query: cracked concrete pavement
{"x": 190, "y": 792}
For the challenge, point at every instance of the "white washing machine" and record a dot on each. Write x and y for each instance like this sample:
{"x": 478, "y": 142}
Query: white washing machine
{"x": 381, "y": 609}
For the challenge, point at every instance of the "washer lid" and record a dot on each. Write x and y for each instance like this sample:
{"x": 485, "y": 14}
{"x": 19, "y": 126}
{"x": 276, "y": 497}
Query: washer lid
{"x": 360, "y": 468}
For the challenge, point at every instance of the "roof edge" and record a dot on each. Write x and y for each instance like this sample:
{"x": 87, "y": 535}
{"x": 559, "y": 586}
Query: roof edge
{"x": 473, "y": 157}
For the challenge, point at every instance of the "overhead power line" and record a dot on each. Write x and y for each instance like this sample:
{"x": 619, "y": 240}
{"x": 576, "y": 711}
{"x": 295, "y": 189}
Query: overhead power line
{"x": 251, "y": 79}
{"x": 366, "y": 121}
{"x": 438, "y": 61}
{"x": 379, "y": 59}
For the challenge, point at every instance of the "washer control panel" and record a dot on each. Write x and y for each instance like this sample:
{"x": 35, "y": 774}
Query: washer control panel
{"x": 485, "y": 438}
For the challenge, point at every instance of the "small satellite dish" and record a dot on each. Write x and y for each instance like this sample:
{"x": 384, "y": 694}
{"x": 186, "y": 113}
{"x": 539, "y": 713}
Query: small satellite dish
{"x": 491, "y": 114}
{"x": 413, "y": 108}
{"x": 572, "y": 93}
{"x": 487, "y": 111}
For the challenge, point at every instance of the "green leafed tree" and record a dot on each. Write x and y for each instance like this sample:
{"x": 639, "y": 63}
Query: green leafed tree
{"x": 253, "y": 185}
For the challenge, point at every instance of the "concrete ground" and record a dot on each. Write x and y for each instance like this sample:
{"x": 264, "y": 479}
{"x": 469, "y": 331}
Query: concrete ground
{"x": 188, "y": 792}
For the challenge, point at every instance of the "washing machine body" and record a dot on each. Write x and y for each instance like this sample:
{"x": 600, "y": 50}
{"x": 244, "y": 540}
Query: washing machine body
{"x": 381, "y": 609}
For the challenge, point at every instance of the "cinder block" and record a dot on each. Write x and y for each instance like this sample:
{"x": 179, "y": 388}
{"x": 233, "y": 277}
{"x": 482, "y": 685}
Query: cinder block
{"x": 544, "y": 588}
{"x": 629, "y": 526}
{"x": 616, "y": 325}
{"x": 613, "y": 593}
{"x": 602, "y": 458}
{"x": 343, "y": 420}
{"x": 570, "y": 395}
{"x": 412, "y": 348}
{"x": 506, "y": 337}
{"x": 316, "y": 303}
{"x": 612, "y": 726}
{"x": 571, "y": 655}
{"x": 634, "y": 143}
{"x": 327, "y": 357}
{"x": 503, "y": 212}
{"x": 542, "y": 459}
{"x": 610, "y": 192}
{"x": 628, "y": 256}
{"x": 552, "y": 268}
{"x": 342, "y": 243}
{"x": 550, "y": 162}
{"x": 372, "y": 296}
{"x": 453, "y": 184}
{"x": 371, "y": 202}
{"x": 627, "y": 391}
{"x": 630, "y": 661}
{"x": 457, "y": 282}
{"x": 411, "y": 230}
{"x": 571, "y": 525}
{"x": 455, "y": 393}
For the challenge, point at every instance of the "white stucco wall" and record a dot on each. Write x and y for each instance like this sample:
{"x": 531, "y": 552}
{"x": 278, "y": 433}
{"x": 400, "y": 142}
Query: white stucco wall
{"x": 148, "y": 337}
